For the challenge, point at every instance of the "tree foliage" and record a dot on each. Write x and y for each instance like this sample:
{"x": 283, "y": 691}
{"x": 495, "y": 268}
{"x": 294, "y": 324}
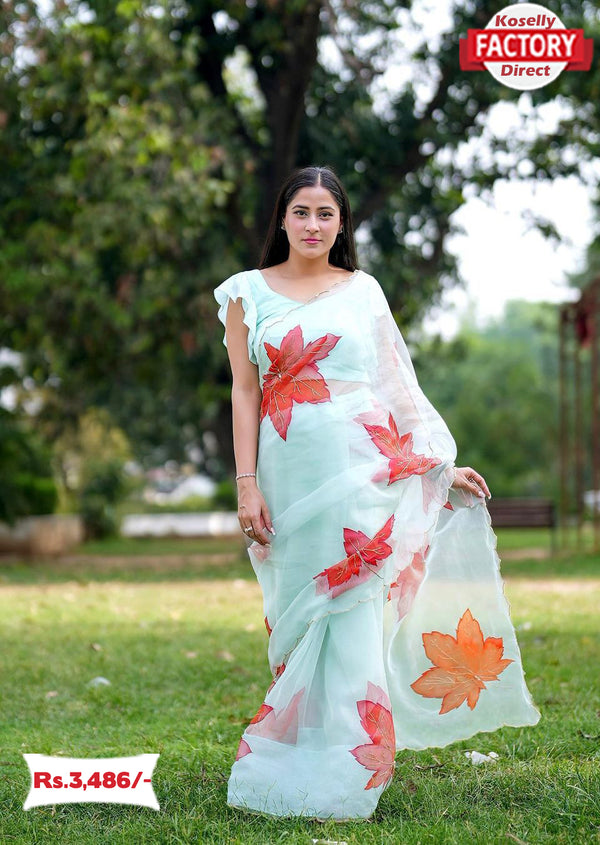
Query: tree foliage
{"x": 497, "y": 388}
{"x": 144, "y": 144}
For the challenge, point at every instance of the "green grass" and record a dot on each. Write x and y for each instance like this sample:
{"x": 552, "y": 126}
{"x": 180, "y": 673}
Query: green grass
{"x": 158, "y": 546}
{"x": 540, "y": 538}
{"x": 523, "y": 538}
{"x": 184, "y": 646}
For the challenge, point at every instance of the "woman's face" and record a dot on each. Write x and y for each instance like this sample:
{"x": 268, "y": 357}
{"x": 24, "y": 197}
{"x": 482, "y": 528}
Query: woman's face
{"x": 312, "y": 221}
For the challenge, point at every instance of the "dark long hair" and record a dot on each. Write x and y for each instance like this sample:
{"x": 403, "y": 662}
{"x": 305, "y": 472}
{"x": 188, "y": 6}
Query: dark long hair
{"x": 276, "y": 247}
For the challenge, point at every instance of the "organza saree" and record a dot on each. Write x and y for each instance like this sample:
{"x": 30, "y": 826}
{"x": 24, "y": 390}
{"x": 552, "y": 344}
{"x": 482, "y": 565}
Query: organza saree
{"x": 388, "y": 626}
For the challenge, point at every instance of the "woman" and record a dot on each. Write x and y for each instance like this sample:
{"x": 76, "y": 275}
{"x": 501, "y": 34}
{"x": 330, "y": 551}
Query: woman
{"x": 388, "y": 627}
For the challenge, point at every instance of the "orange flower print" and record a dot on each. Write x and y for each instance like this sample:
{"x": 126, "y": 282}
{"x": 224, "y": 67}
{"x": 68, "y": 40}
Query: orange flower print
{"x": 461, "y": 664}
{"x": 364, "y": 555}
{"x": 294, "y": 377}
{"x": 375, "y": 713}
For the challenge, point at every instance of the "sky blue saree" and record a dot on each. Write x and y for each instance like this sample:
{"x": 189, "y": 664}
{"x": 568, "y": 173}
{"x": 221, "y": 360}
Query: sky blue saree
{"x": 387, "y": 622}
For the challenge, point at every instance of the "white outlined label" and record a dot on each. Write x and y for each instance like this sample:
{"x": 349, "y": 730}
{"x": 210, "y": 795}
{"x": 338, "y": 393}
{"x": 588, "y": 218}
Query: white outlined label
{"x": 525, "y": 46}
{"x": 70, "y": 780}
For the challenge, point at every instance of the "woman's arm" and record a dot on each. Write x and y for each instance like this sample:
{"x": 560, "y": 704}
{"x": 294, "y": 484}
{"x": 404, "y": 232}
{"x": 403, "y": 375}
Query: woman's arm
{"x": 246, "y": 398}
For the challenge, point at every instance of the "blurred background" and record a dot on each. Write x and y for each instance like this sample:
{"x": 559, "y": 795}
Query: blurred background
{"x": 142, "y": 146}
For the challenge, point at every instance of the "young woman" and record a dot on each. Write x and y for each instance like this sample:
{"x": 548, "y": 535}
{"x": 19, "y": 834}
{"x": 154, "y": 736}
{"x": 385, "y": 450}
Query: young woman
{"x": 388, "y": 627}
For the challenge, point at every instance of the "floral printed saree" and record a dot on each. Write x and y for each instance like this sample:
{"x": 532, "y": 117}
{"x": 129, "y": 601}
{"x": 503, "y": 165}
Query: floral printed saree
{"x": 388, "y": 626}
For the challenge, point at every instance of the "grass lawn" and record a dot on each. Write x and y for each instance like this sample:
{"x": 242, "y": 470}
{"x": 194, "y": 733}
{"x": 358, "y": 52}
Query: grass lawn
{"x": 181, "y": 638}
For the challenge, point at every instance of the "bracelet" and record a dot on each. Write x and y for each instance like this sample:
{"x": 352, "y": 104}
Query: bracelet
{"x": 244, "y": 474}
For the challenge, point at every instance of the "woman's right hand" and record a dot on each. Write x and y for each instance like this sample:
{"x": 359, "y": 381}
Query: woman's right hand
{"x": 253, "y": 511}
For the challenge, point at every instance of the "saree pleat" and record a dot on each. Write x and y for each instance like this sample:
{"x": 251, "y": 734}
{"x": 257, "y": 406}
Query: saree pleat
{"x": 388, "y": 626}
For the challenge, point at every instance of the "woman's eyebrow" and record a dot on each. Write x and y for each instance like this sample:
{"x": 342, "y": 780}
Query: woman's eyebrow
{"x": 319, "y": 208}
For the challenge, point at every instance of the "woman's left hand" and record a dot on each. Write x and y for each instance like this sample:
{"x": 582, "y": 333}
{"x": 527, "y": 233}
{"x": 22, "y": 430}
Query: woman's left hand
{"x": 467, "y": 479}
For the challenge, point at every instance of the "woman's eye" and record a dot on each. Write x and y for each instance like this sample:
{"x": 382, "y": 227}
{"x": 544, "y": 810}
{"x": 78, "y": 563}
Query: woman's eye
{"x": 325, "y": 214}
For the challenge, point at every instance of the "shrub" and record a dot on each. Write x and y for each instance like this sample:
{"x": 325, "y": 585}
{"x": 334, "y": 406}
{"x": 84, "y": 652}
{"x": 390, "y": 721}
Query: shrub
{"x": 27, "y": 486}
{"x": 104, "y": 486}
{"x": 225, "y": 495}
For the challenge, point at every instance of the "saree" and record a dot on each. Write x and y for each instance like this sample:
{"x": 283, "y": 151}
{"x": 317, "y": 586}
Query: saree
{"x": 387, "y": 624}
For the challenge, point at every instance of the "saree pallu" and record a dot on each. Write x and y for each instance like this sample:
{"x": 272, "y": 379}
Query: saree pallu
{"x": 388, "y": 626}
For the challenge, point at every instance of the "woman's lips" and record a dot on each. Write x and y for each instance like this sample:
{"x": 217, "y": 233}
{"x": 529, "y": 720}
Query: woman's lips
{"x": 312, "y": 240}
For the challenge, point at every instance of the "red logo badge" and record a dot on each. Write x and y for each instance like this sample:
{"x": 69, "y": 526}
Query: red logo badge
{"x": 525, "y": 46}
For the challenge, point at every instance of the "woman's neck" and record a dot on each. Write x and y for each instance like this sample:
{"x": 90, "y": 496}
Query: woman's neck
{"x": 297, "y": 266}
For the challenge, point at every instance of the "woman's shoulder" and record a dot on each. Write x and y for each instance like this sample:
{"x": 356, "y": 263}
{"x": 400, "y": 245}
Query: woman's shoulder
{"x": 239, "y": 276}
{"x": 371, "y": 282}
{"x": 368, "y": 277}
{"x": 237, "y": 284}
{"x": 376, "y": 295}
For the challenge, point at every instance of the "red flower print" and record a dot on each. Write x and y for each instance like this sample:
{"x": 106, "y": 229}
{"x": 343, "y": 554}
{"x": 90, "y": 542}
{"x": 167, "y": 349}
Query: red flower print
{"x": 294, "y": 377}
{"x": 403, "y": 462}
{"x": 281, "y": 726}
{"x": 260, "y": 714}
{"x": 406, "y": 585}
{"x": 431, "y": 492}
{"x": 243, "y": 749}
{"x": 376, "y": 718}
{"x": 269, "y": 629}
{"x": 364, "y": 555}
{"x": 278, "y": 672}
{"x": 462, "y": 664}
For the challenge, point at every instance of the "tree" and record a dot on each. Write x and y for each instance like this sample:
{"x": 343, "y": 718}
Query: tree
{"x": 497, "y": 388}
{"x": 143, "y": 168}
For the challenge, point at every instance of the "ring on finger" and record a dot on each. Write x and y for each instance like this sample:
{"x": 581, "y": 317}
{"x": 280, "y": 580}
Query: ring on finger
{"x": 248, "y": 529}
